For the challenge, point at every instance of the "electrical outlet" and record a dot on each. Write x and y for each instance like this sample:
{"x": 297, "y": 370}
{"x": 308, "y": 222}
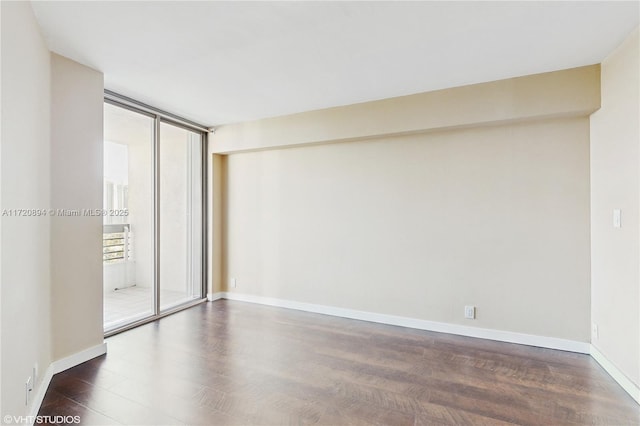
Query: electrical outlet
{"x": 233, "y": 283}
{"x": 28, "y": 387}
{"x": 470, "y": 312}
{"x": 594, "y": 331}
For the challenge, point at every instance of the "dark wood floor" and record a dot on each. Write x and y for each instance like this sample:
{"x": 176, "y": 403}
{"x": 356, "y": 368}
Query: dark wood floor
{"x": 233, "y": 363}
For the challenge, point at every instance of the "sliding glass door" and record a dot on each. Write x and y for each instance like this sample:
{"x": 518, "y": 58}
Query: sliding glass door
{"x": 180, "y": 215}
{"x": 127, "y": 235}
{"x": 153, "y": 216}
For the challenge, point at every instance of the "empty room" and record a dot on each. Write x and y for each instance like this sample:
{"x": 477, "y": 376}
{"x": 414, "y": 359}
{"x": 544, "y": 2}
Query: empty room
{"x": 330, "y": 212}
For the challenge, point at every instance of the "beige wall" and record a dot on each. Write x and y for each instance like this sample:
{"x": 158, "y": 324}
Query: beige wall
{"x": 51, "y": 276}
{"x": 615, "y": 184}
{"x": 573, "y": 92}
{"x": 419, "y": 226}
{"x": 76, "y": 183}
{"x": 215, "y": 205}
{"x": 480, "y": 196}
{"x": 24, "y": 184}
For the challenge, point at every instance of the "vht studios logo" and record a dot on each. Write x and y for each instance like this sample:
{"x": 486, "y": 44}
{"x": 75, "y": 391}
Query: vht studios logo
{"x": 8, "y": 419}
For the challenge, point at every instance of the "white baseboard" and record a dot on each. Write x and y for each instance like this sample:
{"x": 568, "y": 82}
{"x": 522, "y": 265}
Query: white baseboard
{"x": 214, "y": 296}
{"x": 78, "y": 358}
{"x": 60, "y": 366}
{"x": 630, "y": 387}
{"x": 483, "y": 333}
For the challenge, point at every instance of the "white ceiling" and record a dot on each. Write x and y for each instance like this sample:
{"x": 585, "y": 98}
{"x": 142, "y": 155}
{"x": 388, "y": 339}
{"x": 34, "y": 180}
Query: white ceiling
{"x": 223, "y": 62}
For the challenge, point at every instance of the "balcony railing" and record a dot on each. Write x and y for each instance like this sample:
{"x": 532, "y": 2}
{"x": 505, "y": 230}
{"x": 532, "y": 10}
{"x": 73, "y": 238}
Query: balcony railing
{"x": 116, "y": 243}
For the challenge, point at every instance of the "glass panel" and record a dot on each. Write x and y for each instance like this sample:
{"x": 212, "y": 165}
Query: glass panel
{"x": 180, "y": 216}
{"x": 127, "y": 238}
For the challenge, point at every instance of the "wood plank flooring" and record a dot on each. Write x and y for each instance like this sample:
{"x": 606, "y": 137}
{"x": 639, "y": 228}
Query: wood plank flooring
{"x": 234, "y": 363}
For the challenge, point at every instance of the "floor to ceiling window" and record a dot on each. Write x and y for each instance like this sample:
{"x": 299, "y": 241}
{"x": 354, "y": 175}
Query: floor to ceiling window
{"x": 153, "y": 215}
{"x": 127, "y": 239}
{"x": 180, "y": 215}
